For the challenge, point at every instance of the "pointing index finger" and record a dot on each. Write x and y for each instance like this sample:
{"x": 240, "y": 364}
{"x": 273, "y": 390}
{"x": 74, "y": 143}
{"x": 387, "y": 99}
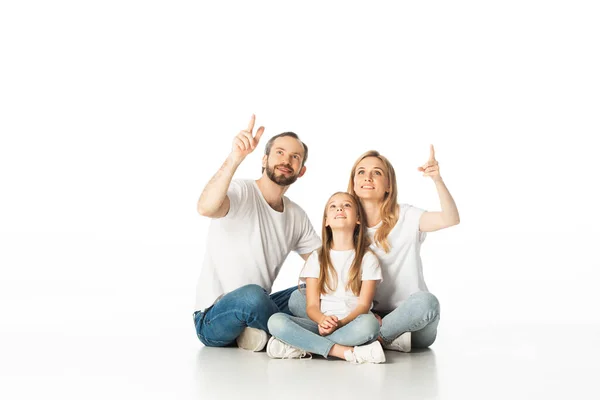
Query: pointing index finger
{"x": 251, "y": 123}
{"x": 431, "y": 153}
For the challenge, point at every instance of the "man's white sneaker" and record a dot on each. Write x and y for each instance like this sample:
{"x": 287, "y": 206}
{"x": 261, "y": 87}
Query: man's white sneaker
{"x": 278, "y": 349}
{"x": 370, "y": 353}
{"x": 401, "y": 343}
{"x": 252, "y": 339}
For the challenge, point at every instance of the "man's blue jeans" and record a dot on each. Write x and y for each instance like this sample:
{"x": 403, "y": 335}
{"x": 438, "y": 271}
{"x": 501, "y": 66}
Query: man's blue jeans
{"x": 250, "y": 305}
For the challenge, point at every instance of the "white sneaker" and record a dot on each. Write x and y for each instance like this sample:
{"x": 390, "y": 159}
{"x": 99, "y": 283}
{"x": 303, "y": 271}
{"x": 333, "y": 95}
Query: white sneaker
{"x": 370, "y": 353}
{"x": 252, "y": 339}
{"x": 278, "y": 349}
{"x": 401, "y": 343}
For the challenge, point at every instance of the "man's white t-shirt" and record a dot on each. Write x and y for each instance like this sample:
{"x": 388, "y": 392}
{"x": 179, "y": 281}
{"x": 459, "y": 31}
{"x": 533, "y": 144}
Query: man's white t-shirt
{"x": 249, "y": 244}
{"x": 342, "y": 301}
{"x": 402, "y": 267}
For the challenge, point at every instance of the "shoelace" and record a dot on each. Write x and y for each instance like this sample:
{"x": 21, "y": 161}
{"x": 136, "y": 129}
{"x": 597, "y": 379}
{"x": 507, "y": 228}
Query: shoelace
{"x": 290, "y": 350}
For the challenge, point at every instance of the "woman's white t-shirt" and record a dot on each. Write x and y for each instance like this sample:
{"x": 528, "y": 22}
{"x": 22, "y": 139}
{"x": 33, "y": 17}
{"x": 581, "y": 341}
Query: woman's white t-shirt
{"x": 342, "y": 301}
{"x": 402, "y": 267}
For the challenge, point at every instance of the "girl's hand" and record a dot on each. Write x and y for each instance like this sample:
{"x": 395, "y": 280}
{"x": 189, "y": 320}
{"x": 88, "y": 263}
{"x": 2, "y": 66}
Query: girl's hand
{"x": 328, "y": 325}
{"x": 325, "y": 332}
{"x": 431, "y": 167}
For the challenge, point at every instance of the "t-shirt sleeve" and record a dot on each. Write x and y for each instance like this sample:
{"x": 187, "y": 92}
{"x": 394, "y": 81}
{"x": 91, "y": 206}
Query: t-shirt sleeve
{"x": 412, "y": 221}
{"x": 308, "y": 241}
{"x": 311, "y": 267}
{"x": 371, "y": 271}
{"x": 238, "y": 195}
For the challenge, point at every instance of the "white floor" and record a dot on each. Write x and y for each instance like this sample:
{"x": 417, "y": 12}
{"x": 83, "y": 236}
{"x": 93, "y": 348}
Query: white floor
{"x": 491, "y": 362}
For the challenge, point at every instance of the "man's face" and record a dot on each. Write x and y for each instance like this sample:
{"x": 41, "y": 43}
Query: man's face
{"x": 284, "y": 163}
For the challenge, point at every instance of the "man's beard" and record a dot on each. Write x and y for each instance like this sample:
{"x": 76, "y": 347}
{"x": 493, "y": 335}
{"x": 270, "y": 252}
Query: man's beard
{"x": 281, "y": 180}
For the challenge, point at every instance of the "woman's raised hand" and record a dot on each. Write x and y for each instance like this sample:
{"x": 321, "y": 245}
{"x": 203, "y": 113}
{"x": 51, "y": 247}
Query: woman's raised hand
{"x": 431, "y": 167}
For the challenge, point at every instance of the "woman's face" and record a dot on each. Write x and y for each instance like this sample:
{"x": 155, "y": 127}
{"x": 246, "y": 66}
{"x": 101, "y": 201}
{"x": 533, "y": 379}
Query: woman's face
{"x": 370, "y": 179}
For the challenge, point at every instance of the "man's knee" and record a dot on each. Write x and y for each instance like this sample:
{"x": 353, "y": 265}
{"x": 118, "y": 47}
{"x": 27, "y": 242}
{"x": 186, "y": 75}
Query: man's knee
{"x": 253, "y": 296}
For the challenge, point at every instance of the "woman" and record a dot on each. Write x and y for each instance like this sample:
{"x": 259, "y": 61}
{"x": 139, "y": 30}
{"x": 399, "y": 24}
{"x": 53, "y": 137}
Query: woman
{"x": 408, "y": 313}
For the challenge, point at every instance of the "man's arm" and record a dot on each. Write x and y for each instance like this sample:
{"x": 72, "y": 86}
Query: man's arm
{"x": 213, "y": 201}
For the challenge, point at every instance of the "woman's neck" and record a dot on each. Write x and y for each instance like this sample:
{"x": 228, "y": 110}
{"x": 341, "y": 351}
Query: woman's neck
{"x": 372, "y": 211}
{"x": 342, "y": 240}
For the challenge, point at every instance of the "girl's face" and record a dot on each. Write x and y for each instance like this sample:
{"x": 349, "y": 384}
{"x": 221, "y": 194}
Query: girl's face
{"x": 370, "y": 179}
{"x": 341, "y": 212}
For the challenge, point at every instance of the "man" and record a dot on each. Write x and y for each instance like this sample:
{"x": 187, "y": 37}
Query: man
{"x": 253, "y": 229}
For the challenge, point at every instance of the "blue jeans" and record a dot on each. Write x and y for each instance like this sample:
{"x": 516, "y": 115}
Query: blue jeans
{"x": 250, "y": 305}
{"x": 303, "y": 333}
{"x": 419, "y": 314}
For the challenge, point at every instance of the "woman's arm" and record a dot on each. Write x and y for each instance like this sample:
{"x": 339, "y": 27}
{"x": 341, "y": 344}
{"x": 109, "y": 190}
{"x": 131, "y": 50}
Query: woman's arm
{"x": 434, "y": 221}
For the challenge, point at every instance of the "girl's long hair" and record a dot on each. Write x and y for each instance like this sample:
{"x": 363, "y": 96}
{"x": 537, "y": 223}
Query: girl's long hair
{"x": 389, "y": 206}
{"x": 328, "y": 277}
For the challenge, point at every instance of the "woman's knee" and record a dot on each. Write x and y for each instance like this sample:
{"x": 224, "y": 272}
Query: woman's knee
{"x": 426, "y": 301}
{"x": 368, "y": 325}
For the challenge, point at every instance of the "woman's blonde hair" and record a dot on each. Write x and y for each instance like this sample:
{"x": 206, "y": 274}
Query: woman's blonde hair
{"x": 389, "y": 206}
{"x": 328, "y": 278}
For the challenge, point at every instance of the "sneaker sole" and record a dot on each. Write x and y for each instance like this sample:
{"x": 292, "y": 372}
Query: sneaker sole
{"x": 247, "y": 340}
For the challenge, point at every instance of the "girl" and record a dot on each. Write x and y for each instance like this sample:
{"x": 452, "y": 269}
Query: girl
{"x": 340, "y": 284}
{"x": 410, "y": 313}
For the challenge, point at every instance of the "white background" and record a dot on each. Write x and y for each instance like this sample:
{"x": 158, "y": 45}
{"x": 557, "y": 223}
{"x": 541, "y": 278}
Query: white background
{"x": 115, "y": 114}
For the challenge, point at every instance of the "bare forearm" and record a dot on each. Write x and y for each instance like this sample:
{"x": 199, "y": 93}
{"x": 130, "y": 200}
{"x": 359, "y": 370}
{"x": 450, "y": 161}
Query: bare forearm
{"x": 449, "y": 210}
{"x": 315, "y": 314}
{"x": 215, "y": 191}
{"x": 360, "y": 309}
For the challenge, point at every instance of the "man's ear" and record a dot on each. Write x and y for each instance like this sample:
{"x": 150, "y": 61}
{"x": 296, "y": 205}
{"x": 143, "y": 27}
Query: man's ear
{"x": 302, "y": 172}
{"x": 264, "y": 161}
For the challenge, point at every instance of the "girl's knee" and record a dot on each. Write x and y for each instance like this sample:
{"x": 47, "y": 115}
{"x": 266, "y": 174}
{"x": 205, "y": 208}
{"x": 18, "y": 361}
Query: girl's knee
{"x": 277, "y": 323}
{"x": 297, "y": 302}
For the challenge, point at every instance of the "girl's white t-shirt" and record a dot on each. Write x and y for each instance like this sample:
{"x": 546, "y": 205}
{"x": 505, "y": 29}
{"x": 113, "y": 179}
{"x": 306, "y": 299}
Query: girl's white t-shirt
{"x": 402, "y": 267}
{"x": 342, "y": 301}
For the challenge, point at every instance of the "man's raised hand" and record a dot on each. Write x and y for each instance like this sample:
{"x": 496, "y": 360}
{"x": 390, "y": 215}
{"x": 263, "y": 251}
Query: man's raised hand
{"x": 245, "y": 142}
